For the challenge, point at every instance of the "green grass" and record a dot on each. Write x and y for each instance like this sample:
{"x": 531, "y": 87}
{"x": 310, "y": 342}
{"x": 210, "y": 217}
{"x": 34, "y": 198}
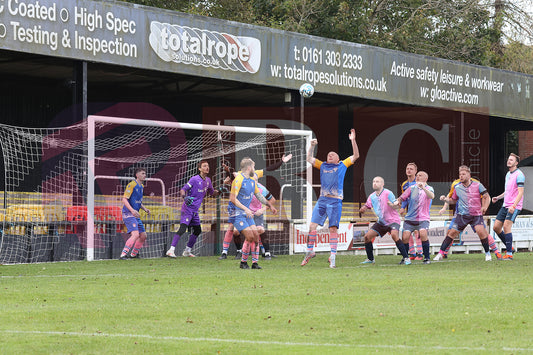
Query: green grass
{"x": 206, "y": 306}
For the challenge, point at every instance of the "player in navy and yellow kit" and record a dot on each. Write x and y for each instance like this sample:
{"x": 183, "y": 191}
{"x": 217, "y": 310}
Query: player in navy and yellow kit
{"x": 329, "y": 204}
{"x": 133, "y": 196}
{"x": 243, "y": 189}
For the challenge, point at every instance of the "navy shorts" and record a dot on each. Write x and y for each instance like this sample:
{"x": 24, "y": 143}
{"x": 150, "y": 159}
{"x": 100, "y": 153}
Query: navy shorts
{"x": 382, "y": 229}
{"x": 460, "y": 222}
{"x": 504, "y": 214}
{"x": 259, "y": 220}
{"x": 411, "y": 226}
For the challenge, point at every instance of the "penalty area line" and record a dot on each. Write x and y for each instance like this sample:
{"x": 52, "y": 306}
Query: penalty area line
{"x": 260, "y": 342}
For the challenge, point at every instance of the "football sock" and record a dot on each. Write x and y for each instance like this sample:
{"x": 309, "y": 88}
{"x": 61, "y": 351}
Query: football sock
{"x": 509, "y": 243}
{"x": 425, "y": 249}
{"x": 369, "y": 248}
{"x": 311, "y": 241}
{"x": 138, "y": 245}
{"x": 227, "y": 240}
{"x": 445, "y": 252}
{"x": 266, "y": 245}
{"x": 502, "y": 236}
{"x": 411, "y": 249}
{"x": 485, "y": 243}
{"x": 333, "y": 241}
{"x": 127, "y": 247}
{"x": 419, "y": 245}
{"x": 245, "y": 251}
{"x": 255, "y": 252}
{"x": 492, "y": 245}
{"x": 445, "y": 244}
{"x": 401, "y": 248}
{"x": 237, "y": 241}
{"x": 192, "y": 241}
{"x": 175, "y": 240}
{"x": 406, "y": 246}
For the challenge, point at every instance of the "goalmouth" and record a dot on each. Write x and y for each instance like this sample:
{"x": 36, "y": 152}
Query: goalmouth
{"x": 176, "y": 148}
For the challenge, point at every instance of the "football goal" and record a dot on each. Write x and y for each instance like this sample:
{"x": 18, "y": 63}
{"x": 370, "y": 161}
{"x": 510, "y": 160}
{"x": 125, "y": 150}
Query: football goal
{"x": 63, "y": 187}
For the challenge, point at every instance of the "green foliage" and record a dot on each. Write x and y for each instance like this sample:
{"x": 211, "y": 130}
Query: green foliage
{"x": 202, "y": 305}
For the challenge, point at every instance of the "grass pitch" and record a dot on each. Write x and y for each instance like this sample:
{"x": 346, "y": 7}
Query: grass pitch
{"x": 205, "y": 306}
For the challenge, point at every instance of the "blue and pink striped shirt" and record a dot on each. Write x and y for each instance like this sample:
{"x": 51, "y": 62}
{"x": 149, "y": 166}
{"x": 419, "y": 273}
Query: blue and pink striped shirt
{"x": 418, "y": 203}
{"x": 385, "y": 213}
{"x": 469, "y": 198}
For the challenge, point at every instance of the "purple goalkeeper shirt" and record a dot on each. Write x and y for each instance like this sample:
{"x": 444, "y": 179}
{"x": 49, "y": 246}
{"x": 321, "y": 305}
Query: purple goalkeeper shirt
{"x": 197, "y": 188}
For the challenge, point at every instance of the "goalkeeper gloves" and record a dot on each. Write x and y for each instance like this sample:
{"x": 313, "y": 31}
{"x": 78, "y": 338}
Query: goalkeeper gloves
{"x": 189, "y": 200}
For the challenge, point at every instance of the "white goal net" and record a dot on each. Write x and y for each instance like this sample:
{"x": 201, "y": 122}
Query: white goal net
{"x": 63, "y": 187}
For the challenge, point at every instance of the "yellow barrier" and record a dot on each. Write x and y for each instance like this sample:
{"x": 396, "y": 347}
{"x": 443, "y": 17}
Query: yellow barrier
{"x": 34, "y": 214}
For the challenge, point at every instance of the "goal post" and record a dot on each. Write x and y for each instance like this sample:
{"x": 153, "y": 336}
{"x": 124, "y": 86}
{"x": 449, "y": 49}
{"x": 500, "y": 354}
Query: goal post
{"x": 258, "y": 137}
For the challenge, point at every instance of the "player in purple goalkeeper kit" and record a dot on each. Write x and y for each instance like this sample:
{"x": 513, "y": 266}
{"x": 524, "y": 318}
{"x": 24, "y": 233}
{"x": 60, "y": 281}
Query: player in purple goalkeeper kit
{"x": 382, "y": 201}
{"x": 419, "y": 198}
{"x": 513, "y": 198}
{"x": 193, "y": 194}
{"x": 472, "y": 201}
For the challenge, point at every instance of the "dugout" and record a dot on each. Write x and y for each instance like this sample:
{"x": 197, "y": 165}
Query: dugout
{"x": 108, "y": 57}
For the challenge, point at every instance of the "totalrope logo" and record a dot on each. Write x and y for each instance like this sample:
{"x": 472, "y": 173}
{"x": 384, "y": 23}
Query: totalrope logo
{"x": 186, "y": 45}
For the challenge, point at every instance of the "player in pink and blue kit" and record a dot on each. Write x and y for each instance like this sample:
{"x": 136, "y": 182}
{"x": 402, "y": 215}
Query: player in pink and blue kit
{"x": 419, "y": 198}
{"x": 329, "y": 204}
{"x": 382, "y": 201}
{"x": 513, "y": 199}
{"x": 470, "y": 210}
{"x": 193, "y": 193}
{"x": 415, "y": 252}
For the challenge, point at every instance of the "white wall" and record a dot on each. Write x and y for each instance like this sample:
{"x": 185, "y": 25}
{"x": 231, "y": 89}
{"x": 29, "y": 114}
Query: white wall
{"x": 528, "y": 189}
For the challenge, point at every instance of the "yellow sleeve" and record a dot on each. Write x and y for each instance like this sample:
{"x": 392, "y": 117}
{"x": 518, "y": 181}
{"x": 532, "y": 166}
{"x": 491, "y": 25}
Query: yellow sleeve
{"x": 260, "y": 173}
{"x": 348, "y": 162}
{"x": 129, "y": 189}
{"x": 236, "y": 185}
{"x": 402, "y": 185}
{"x": 455, "y": 182}
{"x": 317, "y": 164}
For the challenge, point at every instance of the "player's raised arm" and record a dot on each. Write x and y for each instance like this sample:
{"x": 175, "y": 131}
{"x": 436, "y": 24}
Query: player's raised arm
{"x": 284, "y": 159}
{"x": 355, "y": 148}
{"x": 310, "y": 157}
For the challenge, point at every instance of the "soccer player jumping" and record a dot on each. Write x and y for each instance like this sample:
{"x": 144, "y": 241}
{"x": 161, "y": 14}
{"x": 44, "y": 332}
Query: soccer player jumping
{"x": 329, "y": 204}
